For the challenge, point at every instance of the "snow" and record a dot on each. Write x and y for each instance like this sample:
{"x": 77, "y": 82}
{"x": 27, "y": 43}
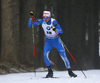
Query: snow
{"x": 93, "y": 76}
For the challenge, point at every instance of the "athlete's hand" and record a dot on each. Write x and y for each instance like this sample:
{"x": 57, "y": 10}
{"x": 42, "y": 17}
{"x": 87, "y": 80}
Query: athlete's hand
{"x": 56, "y": 30}
{"x": 31, "y": 13}
{"x": 53, "y": 28}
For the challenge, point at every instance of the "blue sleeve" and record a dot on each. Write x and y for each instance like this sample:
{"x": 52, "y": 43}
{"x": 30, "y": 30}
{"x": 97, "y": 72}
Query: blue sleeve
{"x": 39, "y": 22}
{"x": 30, "y": 22}
{"x": 57, "y": 26}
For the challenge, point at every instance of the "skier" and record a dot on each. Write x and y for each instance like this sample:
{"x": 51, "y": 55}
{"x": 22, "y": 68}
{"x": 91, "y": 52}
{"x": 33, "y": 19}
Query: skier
{"x": 52, "y": 30}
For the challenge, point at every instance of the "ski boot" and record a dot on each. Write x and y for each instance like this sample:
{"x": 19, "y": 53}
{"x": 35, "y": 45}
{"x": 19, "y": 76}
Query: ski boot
{"x": 50, "y": 73}
{"x": 71, "y": 74}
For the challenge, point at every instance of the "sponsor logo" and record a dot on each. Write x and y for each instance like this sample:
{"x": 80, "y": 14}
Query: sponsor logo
{"x": 48, "y": 28}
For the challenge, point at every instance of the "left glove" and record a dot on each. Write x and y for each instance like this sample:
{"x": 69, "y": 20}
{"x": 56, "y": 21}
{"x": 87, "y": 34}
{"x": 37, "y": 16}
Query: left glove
{"x": 53, "y": 28}
{"x": 57, "y": 30}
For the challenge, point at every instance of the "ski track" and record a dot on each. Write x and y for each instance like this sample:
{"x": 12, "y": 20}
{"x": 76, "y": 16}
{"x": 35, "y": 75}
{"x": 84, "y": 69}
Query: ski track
{"x": 93, "y": 76}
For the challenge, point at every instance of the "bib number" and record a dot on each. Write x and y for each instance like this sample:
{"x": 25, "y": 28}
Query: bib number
{"x": 48, "y": 32}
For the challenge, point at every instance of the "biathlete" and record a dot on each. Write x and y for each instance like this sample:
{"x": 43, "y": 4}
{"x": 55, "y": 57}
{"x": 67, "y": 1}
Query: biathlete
{"x": 52, "y": 30}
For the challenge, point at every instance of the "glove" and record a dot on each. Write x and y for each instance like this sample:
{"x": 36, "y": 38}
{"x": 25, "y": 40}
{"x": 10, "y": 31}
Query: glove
{"x": 53, "y": 28}
{"x": 57, "y": 30}
{"x": 31, "y": 13}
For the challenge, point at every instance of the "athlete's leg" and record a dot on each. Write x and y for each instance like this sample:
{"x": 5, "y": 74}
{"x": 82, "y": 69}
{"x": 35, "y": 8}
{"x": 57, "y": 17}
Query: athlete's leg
{"x": 59, "y": 46}
{"x": 47, "y": 49}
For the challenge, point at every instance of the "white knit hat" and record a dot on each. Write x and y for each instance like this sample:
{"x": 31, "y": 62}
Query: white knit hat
{"x": 46, "y": 13}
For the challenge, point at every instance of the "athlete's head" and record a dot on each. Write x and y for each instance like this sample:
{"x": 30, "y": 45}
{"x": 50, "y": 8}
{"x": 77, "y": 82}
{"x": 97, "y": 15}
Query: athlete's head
{"x": 46, "y": 15}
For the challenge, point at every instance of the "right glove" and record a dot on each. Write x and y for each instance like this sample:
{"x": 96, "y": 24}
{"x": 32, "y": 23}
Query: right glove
{"x": 31, "y": 13}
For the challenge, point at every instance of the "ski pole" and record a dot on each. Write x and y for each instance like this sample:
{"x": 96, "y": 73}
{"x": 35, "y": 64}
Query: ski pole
{"x": 73, "y": 58}
{"x": 32, "y": 13}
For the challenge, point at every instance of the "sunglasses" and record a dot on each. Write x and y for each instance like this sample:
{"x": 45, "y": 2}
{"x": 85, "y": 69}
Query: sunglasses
{"x": 45, "y": 17}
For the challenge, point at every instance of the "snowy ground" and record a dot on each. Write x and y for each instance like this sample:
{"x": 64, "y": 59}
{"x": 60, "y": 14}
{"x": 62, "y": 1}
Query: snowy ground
{"x": 93, "y": 76}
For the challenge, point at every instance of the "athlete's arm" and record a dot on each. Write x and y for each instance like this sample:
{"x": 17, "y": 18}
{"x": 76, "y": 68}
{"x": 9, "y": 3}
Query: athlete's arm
{"x": 39, "y": 22}
{"x": 57, "y": 26}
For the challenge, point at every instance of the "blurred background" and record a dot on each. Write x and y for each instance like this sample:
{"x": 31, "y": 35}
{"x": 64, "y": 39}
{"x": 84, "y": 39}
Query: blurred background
{"x": 79, "y": 19}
